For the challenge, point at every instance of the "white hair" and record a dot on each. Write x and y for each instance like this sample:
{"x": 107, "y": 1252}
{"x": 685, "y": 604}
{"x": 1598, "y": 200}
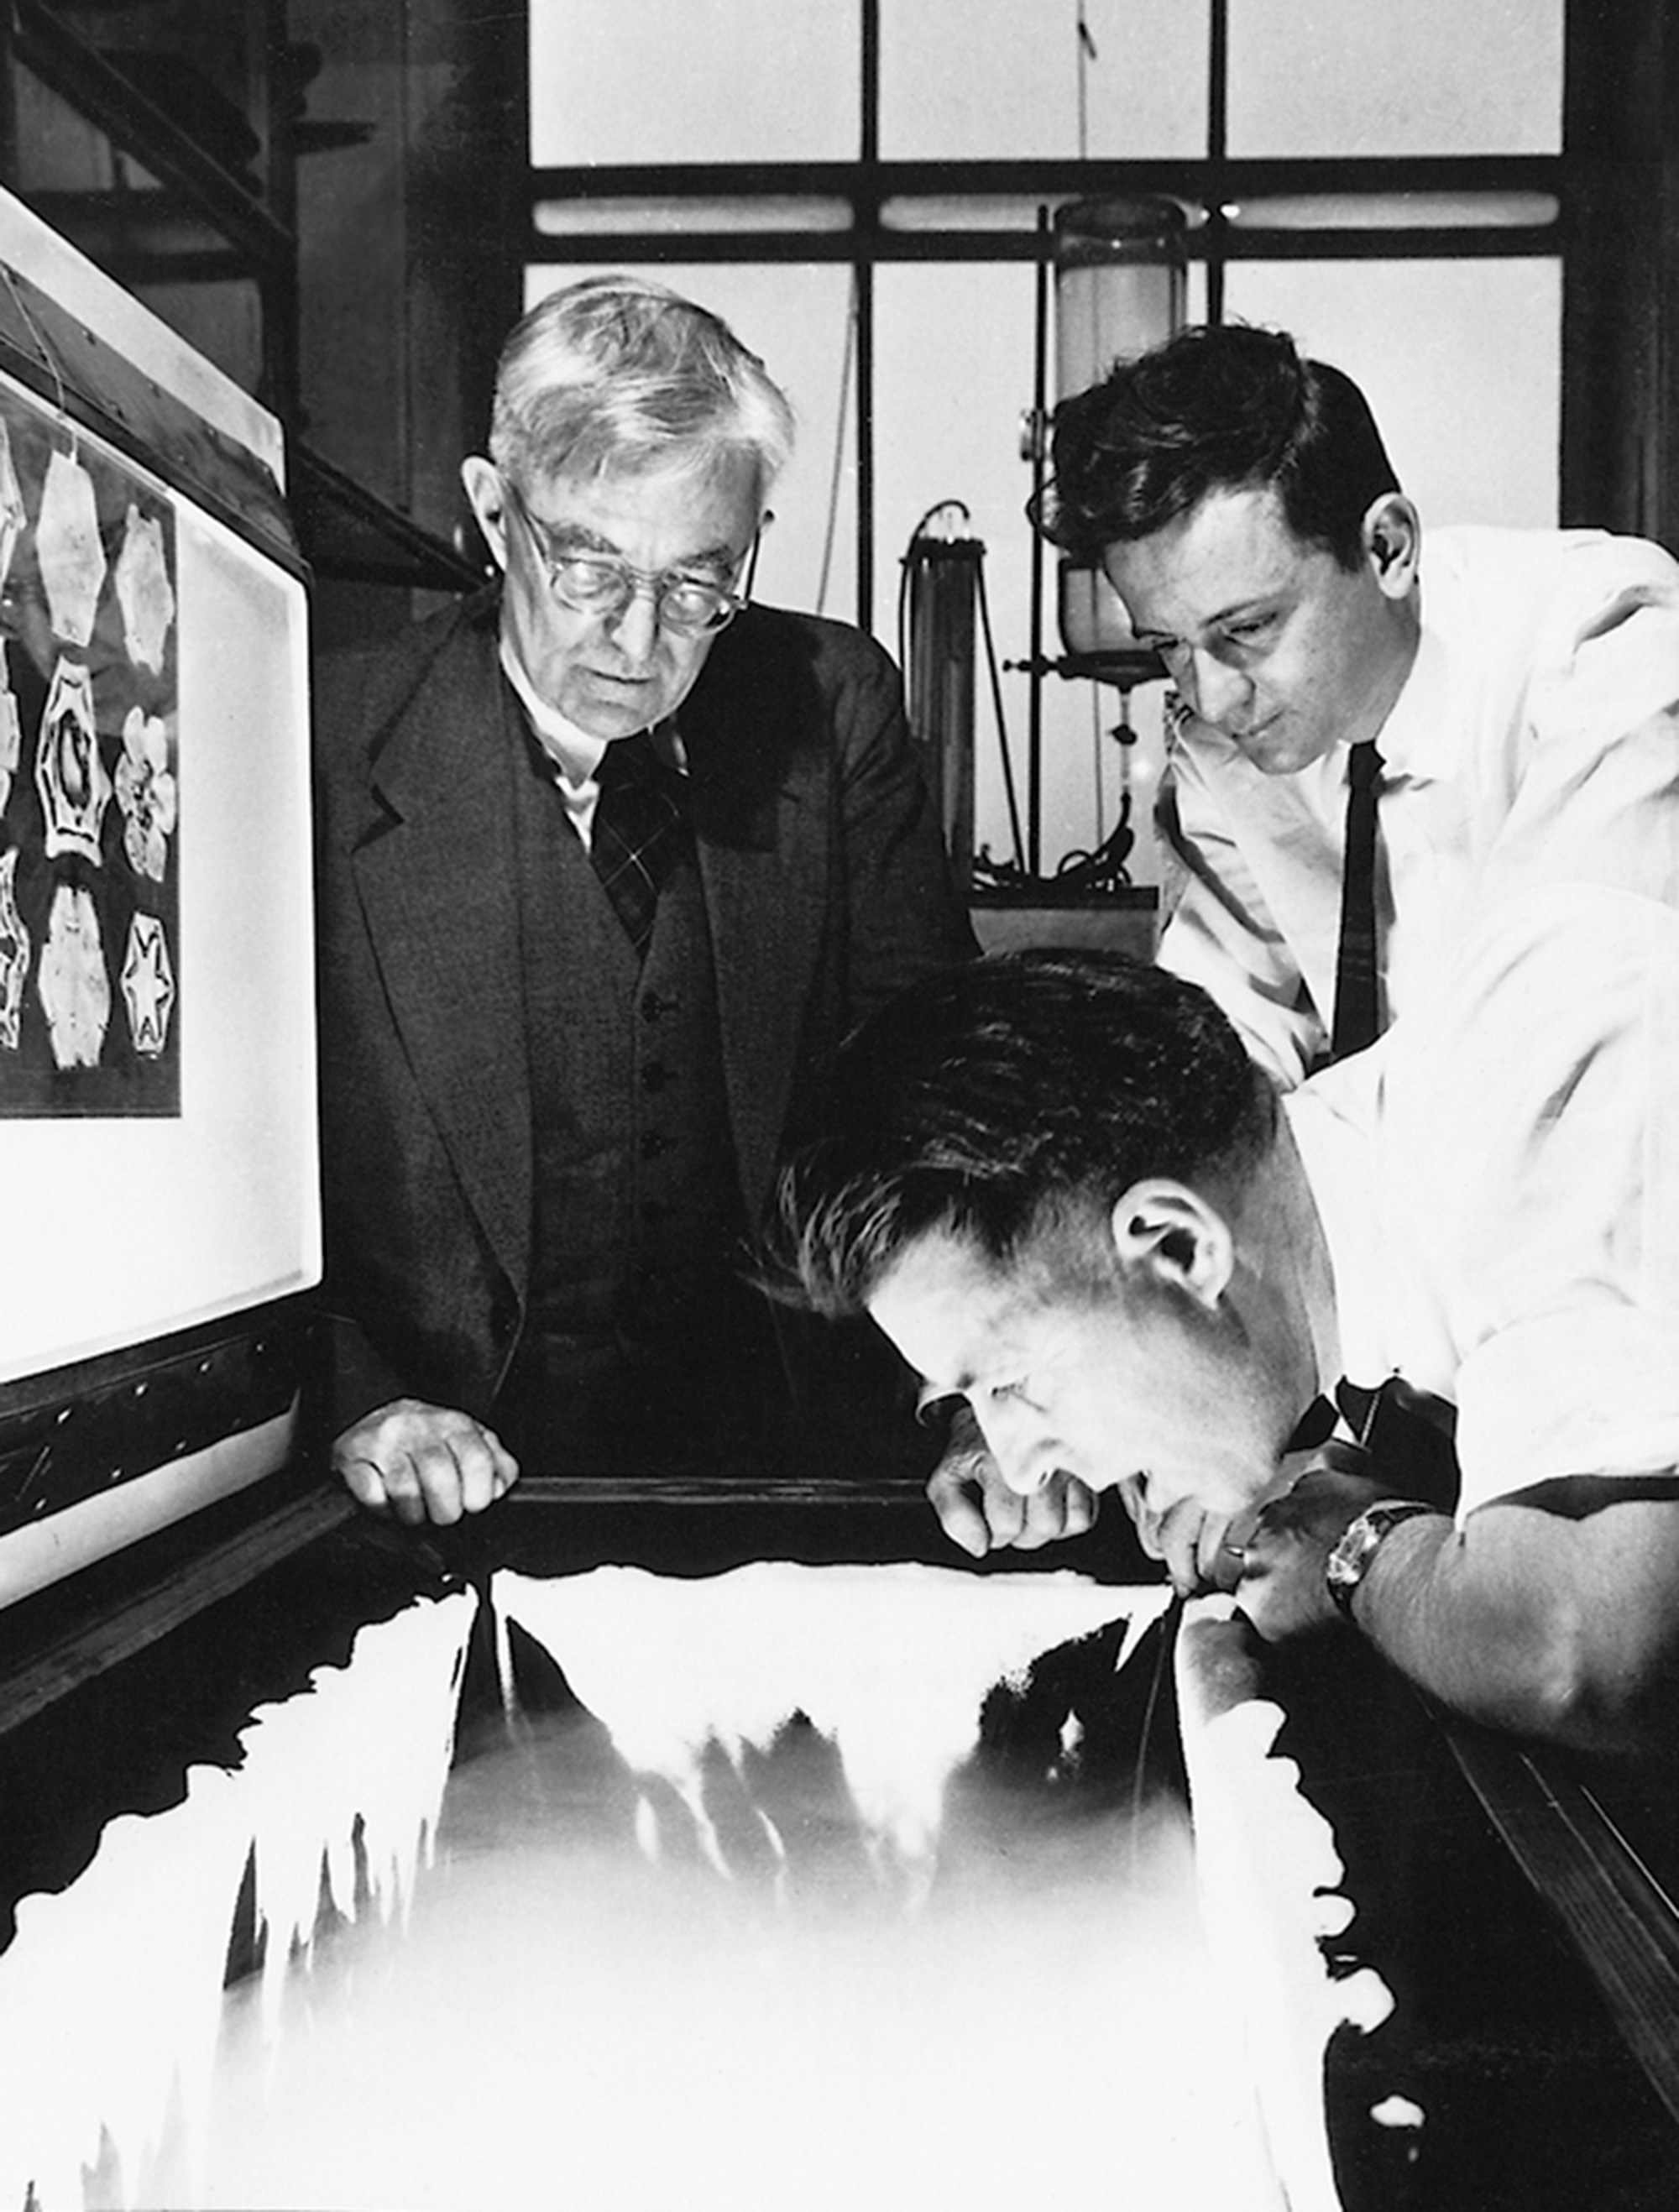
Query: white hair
{"x": 618, "y": 374}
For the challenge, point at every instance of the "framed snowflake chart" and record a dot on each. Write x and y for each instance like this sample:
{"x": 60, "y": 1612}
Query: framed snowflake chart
{"x": 89, "y": 776}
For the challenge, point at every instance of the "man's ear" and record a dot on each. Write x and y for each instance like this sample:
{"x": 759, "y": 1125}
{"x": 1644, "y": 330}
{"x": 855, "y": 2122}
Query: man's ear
{"x": 1392, "y": 535}
{"x": 484, "y": 488}
{"x": 1168, "y": 1233}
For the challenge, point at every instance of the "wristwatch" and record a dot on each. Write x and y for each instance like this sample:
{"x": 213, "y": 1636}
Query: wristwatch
{"x": 1348, "y": 1562}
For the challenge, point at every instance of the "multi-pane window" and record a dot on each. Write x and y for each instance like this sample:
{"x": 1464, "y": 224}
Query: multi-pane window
{"x": 861, "y": 187}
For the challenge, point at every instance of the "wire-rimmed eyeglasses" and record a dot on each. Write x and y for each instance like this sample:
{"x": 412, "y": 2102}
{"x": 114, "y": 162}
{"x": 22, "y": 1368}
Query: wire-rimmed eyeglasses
{"x": 603, "y": 584}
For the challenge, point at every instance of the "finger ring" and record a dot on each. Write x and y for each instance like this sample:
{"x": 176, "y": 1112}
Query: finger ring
{"x": 1237, "y": 1551}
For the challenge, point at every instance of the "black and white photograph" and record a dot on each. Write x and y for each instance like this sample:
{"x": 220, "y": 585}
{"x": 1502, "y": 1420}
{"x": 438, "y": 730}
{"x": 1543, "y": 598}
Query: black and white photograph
{"x": 839, "y": 1106}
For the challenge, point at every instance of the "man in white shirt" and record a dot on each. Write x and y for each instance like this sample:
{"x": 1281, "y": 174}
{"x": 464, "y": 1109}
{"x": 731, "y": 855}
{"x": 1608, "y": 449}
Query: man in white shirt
{"x": 1063, "y": 1189}
{"x": 1521, "y": 687}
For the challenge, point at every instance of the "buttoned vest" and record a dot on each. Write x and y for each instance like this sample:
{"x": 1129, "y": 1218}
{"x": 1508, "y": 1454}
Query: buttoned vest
{"x": 637, "y": 1317}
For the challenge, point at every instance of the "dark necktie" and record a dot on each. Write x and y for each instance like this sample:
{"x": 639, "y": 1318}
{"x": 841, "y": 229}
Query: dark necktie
{"x": 1408, "y": 1433}
{"x": 639, "y": 831}
{"x": 1357, "y": 993}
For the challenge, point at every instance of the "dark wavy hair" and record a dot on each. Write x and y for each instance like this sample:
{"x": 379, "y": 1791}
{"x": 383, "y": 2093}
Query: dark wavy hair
{"x": 994, "y": 1098}
{"x": 1219, "y": 408}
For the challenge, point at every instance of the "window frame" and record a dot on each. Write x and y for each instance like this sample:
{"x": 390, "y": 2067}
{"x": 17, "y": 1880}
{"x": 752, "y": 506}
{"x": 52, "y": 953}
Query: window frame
{"x": 1205, "y": 188}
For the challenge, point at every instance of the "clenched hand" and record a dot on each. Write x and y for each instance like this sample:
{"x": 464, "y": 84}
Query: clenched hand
{"x": 978, "y": 1510}
{"x": 423, "y": 1462}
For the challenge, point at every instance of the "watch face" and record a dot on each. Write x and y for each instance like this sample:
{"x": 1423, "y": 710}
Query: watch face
{"x": 1352, "y": 1547}
{"x": 1343, "y": 1565}
{"x": 1359, "y": 1541}
{"x": 1344, "y": 1568}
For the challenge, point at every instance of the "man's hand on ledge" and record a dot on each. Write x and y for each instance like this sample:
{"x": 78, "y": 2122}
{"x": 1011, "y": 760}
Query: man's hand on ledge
{"x": 423, "y": 1462}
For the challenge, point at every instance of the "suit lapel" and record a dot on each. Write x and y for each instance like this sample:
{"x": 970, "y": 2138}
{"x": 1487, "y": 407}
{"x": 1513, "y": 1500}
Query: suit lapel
{"x": 436, "y": 857}
{"x": 434, "y": 868}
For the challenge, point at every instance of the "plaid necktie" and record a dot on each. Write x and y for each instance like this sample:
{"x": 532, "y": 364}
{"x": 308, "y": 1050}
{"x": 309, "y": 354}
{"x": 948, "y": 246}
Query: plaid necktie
{"x": 1357, "y": 998}
{"x": 639, "y": 832}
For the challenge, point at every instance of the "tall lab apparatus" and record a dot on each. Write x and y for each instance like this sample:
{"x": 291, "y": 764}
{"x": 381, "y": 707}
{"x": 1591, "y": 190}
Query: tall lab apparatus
{"x": 1119, "y": 291}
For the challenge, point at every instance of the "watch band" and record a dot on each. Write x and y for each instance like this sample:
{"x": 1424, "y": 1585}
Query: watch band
{"x": 1358, "y": 1542}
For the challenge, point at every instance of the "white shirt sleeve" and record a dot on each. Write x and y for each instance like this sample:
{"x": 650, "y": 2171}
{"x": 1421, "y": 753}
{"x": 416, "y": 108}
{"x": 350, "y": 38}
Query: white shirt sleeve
{"x": 1592, "y": 778}
{"x": 1528, "y": 1170}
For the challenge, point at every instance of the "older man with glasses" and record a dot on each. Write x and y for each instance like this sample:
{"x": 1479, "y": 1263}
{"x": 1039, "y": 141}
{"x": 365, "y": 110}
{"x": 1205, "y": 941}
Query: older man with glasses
{"x": 610, "y": 861}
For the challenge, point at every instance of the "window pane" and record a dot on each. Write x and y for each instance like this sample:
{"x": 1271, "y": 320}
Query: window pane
{"x": 607, "y": 218}
{"x": 1323, "y": 211}
{"x": 1468, "y": 403}
{"x": 973, "y": 79}
{"x": 1363, "y": 76}
{"x": 617, "y": 80}
{"x": 946, "y": 211}
{"x": 796, "y": 317}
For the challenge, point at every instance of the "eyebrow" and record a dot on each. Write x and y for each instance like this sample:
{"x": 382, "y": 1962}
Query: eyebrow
{"x": 1239, "y": 610}
{"x": 579, "y": 538}
{"x": 929, "y": 1392}
{"x": 574, "y": 534}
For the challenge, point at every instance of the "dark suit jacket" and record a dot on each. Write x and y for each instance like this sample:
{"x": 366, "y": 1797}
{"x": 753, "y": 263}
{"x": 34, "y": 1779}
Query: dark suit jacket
{"x": 826, "y": 889}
